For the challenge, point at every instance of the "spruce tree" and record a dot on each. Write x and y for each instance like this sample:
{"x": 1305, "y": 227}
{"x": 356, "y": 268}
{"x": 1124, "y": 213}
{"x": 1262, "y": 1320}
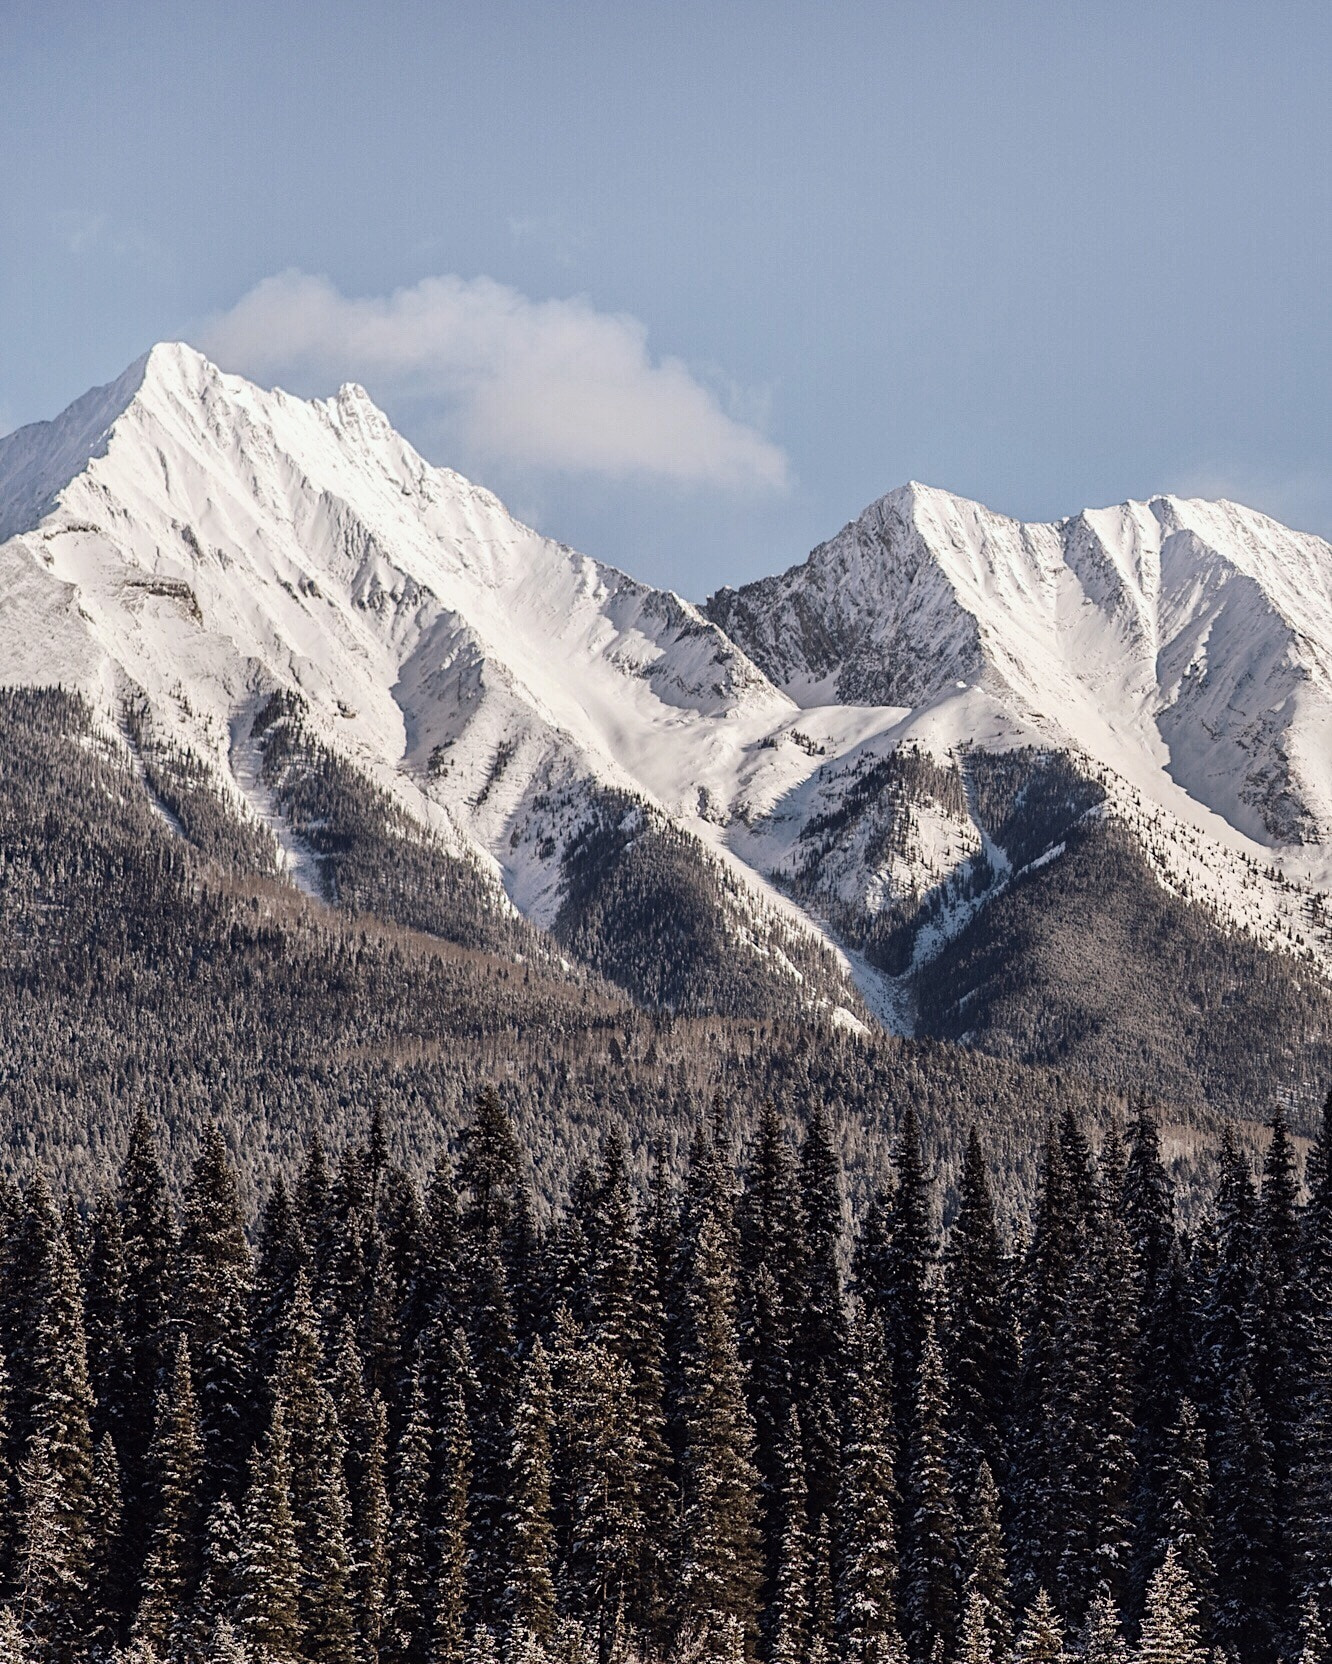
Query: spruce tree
{"x": 322, "y": 1535}
{"x": 219, "y": 1590}
{"x": 529, "y": 1594}
{"x": 56, "y": 1544}
{"x": 600, "y": 1462}
{"x": 975, "y": 1637}
{"x": 1229, "y": 1304}
{"x": 281, "y": 1259}
{"x": 980, "y": 1348}
{"x": 213, "y": 1299}
{"x": 148, "y": 1235}
{"x": 106, "y": 1573}
{"x": 109, "y": 1371}
{"x": 985, "y": 1562}
{"x": 1041, "y": 1639}
{"x": 1170, "y": 1621}
{"x": 720, "y": 1564}
{"x": 823, "y": 1598}
{"x": 268, "y": 1571}
{"x": 410, "y": 1606}
{"x": 1279, "y": 1351}
{"x": 1313, "y": 1634}
{"x": 1311, "y": 1483}
{"x": 365, "y": 1423}
{"x": 492, "y": 1345}
{"x": 1246, "y": 1618}
{"x": 451, "y": 1523}
{"x": 175, "y": 1459}
{"x": 899, "y": 1286}
{"x": 489, "y": 1168}
{"x": 868, "y": 1561}
{"x": 1186, "y": 1513}
{"x": 788, "y": 1612}
{"x": 1102, "y": 1635}
{"x": 820, "y": 1339}
{"x": 931, "y": 1598}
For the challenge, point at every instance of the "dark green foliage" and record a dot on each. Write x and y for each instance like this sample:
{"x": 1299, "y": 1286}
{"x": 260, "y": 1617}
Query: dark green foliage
{"x": 649, "y": 1491}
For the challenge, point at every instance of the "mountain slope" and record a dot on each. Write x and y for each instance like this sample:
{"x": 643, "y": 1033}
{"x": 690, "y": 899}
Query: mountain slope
{"x": 836, "y": 792}
{"x": 191, "y": 548}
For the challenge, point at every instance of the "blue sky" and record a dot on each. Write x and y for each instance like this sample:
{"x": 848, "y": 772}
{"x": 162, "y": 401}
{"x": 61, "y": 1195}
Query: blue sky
{"x": 690, "y": 284}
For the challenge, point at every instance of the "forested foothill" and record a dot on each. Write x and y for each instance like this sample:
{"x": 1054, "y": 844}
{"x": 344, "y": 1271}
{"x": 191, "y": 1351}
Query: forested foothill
{"x": 139, "y": 972}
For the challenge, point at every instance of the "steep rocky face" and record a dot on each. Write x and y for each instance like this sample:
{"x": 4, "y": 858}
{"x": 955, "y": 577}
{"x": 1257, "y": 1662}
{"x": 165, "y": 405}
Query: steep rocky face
{"x": 191, "y": 547}
{"x": 1193, "y": 638}
{"x": 824, "y": 789}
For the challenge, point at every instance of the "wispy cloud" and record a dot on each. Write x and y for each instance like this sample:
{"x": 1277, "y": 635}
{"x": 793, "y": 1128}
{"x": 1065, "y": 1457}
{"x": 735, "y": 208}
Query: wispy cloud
{"x": 551, "y": 384}
{"x": 82, "y": 231}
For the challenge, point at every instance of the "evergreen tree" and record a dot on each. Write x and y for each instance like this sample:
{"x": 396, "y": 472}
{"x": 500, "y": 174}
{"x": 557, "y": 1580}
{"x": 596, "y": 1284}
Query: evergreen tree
{"x": 1041, "y": 1640}
{"x": 225, "y": 1645}
{"x": 1313, "y": 1634}
{"x": 13, "y": 1644}
{"x": 109, "y": 1369}
{"x": 363, "y": 1417}
{"x": 1170, "y": 1622}
{"x": 1102, "y": 1637}
{"x": 823, "y": 1600}
{"x": 106, "y": 1574}
{"x": 1229, "y": 1305}
{"x": 1279, "y": 1340}
{"x": 410, "y": 1607}
{"x": 788, "y": 1613}
{"x": 895, "y": 1278}
{"x": 931, "y": 1596}
{"x": 980, "y": 1348}
{"x": 213, "y": 1299}
{"x": 1246, "y": 1618}
{"x": 322, "y": 1531}
{"x": 451, "y": 1529}
{"x": 489, "y": 1168}
{"x": 720, "y": 1566}
{"x": 985, "y": 1563}
{"x": 868, "y": 1569}
{"x": 148, "y": 1235}
{"x": 1186, "y": 1514}
{"x": 820, "y": 1343}
{"x": 1311, "y": 1483}
{"x": 529, "y": 1595}
{"x": 56, "y": 1542}
{"x": 268, "y": 1571}
{"x": 599, "y": 1458}
{"x": 282, "y": 1258}
{"x": 219, "y": 1590}
{"x": 976, "y": 1638}
{"x": 171, "y": 1572}
{"x": 493, "y": 1358}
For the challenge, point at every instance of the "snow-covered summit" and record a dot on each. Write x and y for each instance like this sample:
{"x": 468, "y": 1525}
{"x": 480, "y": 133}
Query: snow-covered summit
{"x": 187, "y": 542}
{"x": 1175, "y": 635}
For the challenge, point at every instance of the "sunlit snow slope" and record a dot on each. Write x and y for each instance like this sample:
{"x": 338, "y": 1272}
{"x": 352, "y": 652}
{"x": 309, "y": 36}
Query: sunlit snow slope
{"x": 186, "y": 543}
{"x": 184, "y": 538}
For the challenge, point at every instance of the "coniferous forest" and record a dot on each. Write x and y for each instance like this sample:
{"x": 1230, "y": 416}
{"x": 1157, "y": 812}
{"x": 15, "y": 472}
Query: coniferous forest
{"x": 706, "y": 1418}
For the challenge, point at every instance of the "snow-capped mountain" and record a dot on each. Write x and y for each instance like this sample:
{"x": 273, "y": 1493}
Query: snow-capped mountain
{"x": 1186, "y": 637}
{"x": 861, "y": 757}
{"x": 185, "y": 544}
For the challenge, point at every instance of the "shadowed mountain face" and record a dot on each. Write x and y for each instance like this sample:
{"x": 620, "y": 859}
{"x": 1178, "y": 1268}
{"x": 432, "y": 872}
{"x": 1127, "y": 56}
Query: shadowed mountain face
{"x": 908, "y": 781}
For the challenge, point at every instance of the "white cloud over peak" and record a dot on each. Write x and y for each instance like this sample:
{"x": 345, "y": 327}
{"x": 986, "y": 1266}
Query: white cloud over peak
{"x": 550, "y": 384}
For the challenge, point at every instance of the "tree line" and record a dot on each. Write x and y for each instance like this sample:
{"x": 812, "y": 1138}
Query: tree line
{"x": 701, "y": 1420}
